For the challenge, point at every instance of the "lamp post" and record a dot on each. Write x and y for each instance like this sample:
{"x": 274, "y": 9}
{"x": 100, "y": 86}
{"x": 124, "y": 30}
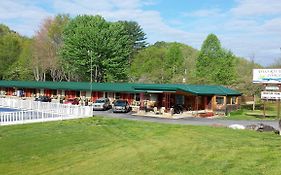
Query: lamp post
{"x": 90, "y": 53}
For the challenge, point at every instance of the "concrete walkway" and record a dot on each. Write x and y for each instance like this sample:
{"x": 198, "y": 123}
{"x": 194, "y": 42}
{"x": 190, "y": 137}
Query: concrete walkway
{"x": 186, "y": 121}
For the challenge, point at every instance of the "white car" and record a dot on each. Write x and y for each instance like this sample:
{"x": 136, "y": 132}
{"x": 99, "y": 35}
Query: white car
{"x": 101, "y": 104}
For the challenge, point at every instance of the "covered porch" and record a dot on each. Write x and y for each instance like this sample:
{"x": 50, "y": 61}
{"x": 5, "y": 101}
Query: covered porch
{"x": 179, "y": 102}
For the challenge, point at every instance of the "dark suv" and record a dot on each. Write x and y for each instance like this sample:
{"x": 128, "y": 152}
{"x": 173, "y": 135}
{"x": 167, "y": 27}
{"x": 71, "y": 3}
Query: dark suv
{"x": 121, "y": 106}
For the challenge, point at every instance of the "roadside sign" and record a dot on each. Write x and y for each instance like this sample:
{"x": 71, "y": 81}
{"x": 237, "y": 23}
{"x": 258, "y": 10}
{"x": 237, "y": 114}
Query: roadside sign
{"x": 272, "y": 88}
{"x": 267, "y": 76}
{"x": 270, "y": 95}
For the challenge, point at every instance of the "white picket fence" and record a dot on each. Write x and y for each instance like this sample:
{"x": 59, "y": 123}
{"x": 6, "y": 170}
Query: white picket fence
{"x": 35, "y": 111}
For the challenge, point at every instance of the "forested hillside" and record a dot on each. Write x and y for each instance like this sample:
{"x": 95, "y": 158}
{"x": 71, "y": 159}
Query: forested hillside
{"x": 164, "y": 63}
{"x": 74, "y": 49}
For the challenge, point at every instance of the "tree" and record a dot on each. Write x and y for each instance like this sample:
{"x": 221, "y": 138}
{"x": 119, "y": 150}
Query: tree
{"x": 10, "y": 49}
{"x": 22, "y": 69}
{"x": 89, "y": 37}
{"x": 163, "y": 63}
{"x": 244, "y": 81}
{"x": 214, "y": 64}
{"x": 47, "y": 42}
{"x": 4, "y": 30}
{"x": 137, "y": 36}
{"x": 148, "y": 66}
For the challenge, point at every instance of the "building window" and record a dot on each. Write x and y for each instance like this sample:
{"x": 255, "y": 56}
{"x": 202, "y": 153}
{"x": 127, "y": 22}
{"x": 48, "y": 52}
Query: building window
{"x": 117, "y": 95}
{"x": 137, "y": 97}
{"x": 54, "y": 92}
{"x": 220, "y": 100}
{"x": 233, "y": 100}
{"x": 228, "y": 100}
{"x": 179, "y": 99}
{"x": 83, "y": 93}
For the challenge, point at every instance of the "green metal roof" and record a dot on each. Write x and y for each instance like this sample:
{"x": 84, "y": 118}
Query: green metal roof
{"x": 193, "y": 89}
{"x": 122, "y": 87}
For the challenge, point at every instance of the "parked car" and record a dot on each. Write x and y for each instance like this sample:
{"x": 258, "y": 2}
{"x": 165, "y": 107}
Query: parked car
{"x": 101, "y": 104}
{"x": 72, "y": 101}
{"x": 121, "y": 106}
{"x": 43, "y": 99}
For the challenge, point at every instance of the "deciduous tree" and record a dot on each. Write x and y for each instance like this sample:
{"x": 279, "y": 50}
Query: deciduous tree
{"x": 106, "y": 43}
{"x": 21, "y": 69}
{"x": 163, "y": 63}
{"x": 47, "y": 42}
{"x": 214, "y": 64}
{"x": 10, "y": 49}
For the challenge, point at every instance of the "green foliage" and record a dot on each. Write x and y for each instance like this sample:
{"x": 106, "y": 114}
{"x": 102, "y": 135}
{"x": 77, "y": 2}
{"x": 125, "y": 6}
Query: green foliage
{"x": 163, "y": 63}
{"x": 10, "y": 49}
{"x": 244, "y": 83}
{"x": 4, "y": 30}
{"x": 56, "y": 29}
{"x": 107, "y": 43}
{"x": 137, "y": 36}
{"x": 22, "y": 68}
{"x": 215, "y": 65}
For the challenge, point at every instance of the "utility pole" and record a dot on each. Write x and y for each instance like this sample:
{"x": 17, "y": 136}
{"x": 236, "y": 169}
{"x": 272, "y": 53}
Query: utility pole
{"x": 90, "y": 53}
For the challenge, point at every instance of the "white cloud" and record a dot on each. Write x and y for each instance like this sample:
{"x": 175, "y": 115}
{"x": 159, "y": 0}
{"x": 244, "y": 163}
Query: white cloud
{"x": 243, "y": 29}
{"x": 23, "y": 17}
{"x": 204, "y": 13}
{"x": 272, "y": 26}
{"x": 14, "y": 10}
{"x": 257, "y": 7}
{"x": 150, "y": 20}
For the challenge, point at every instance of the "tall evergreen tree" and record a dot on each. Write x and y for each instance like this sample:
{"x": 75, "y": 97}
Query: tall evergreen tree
{"x": 137, "y": 36}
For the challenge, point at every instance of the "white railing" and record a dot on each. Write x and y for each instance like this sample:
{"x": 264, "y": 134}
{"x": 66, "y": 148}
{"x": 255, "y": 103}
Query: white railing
{"x": 35, "y": 111}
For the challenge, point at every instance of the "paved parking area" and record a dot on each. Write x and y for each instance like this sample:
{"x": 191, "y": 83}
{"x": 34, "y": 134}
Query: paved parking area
{"x": 186, "y": 121}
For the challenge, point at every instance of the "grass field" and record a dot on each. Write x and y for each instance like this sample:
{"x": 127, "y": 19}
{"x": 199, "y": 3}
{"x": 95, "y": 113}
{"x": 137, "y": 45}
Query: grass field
{"x": 114, "y": 146}
{"x": 248, "y": 114}
{"x": 244, "y": 114}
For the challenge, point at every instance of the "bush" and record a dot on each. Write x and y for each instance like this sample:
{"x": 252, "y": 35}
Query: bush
{"x": 250, "y": 106}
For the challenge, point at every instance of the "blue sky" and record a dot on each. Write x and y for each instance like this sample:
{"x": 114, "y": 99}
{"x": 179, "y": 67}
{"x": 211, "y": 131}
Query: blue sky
{"x": 249, "y": 28}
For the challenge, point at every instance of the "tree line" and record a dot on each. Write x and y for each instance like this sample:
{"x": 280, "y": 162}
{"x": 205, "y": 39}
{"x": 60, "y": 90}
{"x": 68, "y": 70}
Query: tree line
{"x": 87, "y": 47}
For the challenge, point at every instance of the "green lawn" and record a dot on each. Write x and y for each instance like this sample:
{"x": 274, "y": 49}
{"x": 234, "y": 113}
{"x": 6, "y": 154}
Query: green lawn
{"x": 247, "y": 114}
{"x": 244, "y": 114}
{"x": 114, "y": 146}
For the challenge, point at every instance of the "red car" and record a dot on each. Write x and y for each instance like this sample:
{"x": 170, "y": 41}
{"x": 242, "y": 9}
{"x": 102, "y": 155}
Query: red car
{"x": 72, "y": 101}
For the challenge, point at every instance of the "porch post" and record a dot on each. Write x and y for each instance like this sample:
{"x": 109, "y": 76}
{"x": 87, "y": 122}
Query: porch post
{"x": 141, "y": 100}
{"x": 205, "y": 102}
{"x": 214, "y": 103}
{"x": 196, "y": 99}
{"x": 225, "y": 106}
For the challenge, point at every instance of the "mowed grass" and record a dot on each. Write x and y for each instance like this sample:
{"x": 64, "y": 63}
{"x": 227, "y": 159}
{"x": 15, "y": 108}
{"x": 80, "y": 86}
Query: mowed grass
{"x": 258, "y": 114}
{"x": 113, "y": 146}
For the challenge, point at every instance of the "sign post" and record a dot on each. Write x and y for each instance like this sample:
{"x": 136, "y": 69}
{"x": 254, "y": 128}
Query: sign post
{"x": 278, "y": 108}
{"x": 271, "y": 79}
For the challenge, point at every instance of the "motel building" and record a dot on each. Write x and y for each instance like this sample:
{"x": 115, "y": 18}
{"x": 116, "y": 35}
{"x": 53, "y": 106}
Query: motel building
{"x": 209, "y": 98}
